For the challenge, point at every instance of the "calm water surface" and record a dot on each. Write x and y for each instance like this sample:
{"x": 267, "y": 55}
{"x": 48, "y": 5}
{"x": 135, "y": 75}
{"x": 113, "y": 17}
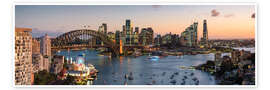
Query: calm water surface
{"x": 146, "y": 71}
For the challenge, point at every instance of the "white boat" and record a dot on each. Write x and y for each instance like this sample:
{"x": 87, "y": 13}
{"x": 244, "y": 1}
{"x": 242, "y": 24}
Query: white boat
{"x": 153, "y": 57}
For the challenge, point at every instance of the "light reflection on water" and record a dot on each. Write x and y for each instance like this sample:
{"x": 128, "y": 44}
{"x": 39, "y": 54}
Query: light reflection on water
{"x": 146, "y": 71}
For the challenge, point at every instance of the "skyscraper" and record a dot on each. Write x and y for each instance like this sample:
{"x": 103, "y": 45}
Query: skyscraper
{"x": 45, "y": 47}
{"x": 136, "y": 30}
{"x": 136, "y": 36}
{"x": 124, "y": 30}
{"x": 190, "y": 36}
{"x": 104, "y": 27}
{"x": 146, "y": 36}
{"x": 128, "y": 33}
{"x": 128, "y": 26}
{"x": 117, "y": 37}
{"x": 205, "y": 33}
{"x": 23, "y": 56}
{"x": 158, "y": 40}
{"x": 195, "y": 27}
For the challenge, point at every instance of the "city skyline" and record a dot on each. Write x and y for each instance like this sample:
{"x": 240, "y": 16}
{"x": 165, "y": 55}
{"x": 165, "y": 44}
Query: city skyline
{"x": 135, "y": 45}
{"x": 224, "y": 21}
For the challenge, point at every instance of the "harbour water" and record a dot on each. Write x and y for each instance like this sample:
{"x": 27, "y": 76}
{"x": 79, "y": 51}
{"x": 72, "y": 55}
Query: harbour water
{"x": 163, "y": 71}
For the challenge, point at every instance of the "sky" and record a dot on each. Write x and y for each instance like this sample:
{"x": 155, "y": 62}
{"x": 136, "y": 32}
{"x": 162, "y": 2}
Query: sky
{"x": 223, "y": 21}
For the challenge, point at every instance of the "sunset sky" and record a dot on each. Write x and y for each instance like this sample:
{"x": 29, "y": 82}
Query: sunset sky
{"x": 224, "y": 21}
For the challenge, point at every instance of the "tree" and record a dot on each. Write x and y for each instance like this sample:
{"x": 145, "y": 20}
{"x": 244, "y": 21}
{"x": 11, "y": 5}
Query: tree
{"x": 70, "y": 80}
{"x": 43, "y": 77}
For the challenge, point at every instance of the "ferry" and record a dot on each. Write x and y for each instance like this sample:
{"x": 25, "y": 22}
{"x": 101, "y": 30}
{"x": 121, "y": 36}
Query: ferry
{"x": 153, "y": 57}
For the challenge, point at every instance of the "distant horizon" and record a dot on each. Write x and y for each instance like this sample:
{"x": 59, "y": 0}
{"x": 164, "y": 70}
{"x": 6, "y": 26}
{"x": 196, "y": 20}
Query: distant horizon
{"x": 223, "y": 21}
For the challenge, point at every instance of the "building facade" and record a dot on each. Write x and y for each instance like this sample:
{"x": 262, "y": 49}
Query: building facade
{"x": 135, "y": 39}
{"x": 204, "y": 39}
{"x": 57, "y": 64}
{"x": 23, "y": 56}
{"x": 158, "y": 40}
{"x": 45, "y": 47}
{"x": 117, "y": 37}
{"x": 103, "y": 29}
{"x": 46, "y": 63}
{"x": 37, "y": 61}
{"x": 129, "y": 36}
{"x": 111, "y": 36}
{"x": 35, "y": 46}
{"x": 128, "y": 33}
{"x": 146, "y": 37}
{"x": 190, "y": 36}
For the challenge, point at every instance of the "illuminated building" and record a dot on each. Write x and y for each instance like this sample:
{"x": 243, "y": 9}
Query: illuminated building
{"x": 117, "y": 37}
{"x": 189, "y": 37}
{"x": 111, "y": 36}
{"x": 129, "y": 32}
{"x": 146, "y": 36}
{"x": 158, "y": 40}
{"x": 128, "y": 36}
{"x": 204, "y": 39}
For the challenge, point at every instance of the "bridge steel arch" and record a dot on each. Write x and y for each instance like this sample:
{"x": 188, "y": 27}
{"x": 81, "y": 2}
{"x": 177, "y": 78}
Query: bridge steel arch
{"x": 83, "y": 34}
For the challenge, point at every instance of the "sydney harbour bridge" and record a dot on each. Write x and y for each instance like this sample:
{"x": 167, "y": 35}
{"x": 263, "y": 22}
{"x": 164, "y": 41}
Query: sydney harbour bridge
{"x": 81, "y": 39}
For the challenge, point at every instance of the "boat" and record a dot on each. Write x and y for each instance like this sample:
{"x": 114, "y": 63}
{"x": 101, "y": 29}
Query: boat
{"x": 173, "y": 81}
{"x": 197, "y": 82}
{"x": 172, "y": 77}
{"x": 183, "y": 67}
{"x": 126, "y": 76}
{"x": 183, "y": 83}
{"x": 154, "y": 57}
{"x": 130, "y": 76}
{"x": 195, "y": 79}
{"x": 192, "y": 74}
{"x": 191, "y": 68}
